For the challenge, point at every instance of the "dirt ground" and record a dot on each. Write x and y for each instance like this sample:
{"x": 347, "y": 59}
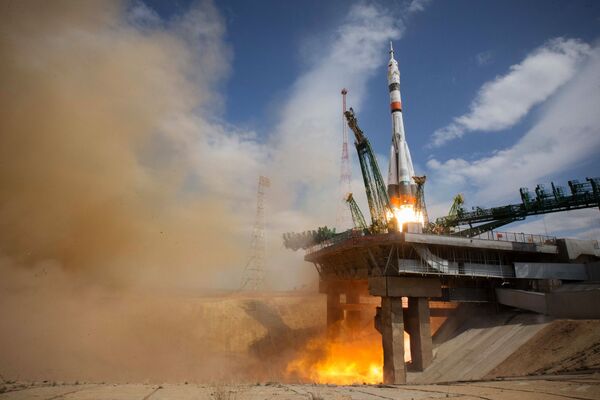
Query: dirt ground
{"x": 561, "y": 346}
{"x": 581, "y": 387}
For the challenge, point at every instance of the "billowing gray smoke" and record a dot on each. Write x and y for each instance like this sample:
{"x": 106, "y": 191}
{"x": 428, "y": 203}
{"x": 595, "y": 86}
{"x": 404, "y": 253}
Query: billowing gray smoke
{"x": 95, "y": 155}
{"x": 123, "y": 195}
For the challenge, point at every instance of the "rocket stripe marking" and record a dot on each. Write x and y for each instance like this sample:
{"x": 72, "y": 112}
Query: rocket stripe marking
{"x": 394, "y": 86}
{"x": 396, "y": 106}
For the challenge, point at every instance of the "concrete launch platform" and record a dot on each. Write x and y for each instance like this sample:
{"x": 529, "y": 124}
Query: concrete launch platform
{"x": 518, "y": 270}
{"x": 540, "y": 388}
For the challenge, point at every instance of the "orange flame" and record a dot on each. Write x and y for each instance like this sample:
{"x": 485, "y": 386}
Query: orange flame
{"x": 344, "y": 360}
{"x": 405, "y": 213}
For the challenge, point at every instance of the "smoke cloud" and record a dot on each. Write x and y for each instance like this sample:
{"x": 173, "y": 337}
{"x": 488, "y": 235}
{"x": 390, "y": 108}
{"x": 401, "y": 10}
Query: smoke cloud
{"x": 124, "y": 196}
{"x": 100, "y": 109}
{"x": 115, "y": 193}
{"x": 116, "y": 163}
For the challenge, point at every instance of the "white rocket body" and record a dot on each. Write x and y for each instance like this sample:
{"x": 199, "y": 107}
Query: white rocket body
{"x": 401, "y": 186}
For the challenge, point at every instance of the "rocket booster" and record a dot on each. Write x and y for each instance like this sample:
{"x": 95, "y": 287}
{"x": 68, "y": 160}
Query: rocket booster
{"x": 401, "y": 186}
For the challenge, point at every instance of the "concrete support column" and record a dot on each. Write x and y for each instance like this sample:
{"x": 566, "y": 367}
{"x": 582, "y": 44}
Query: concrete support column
{"x": 390, "y": 321}
{"x": 334, "y": 311}
{"x": 353, "y": 316}
{"x": 392, "y": 334}
{"x": 421, "y": 346}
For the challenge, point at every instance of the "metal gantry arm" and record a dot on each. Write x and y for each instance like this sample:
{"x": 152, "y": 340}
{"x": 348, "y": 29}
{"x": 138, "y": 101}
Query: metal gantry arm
{"x": 583, "y": 195}
{"x": 377, "y": 197}
{"x": 357, "y": 215}
{"x": 420, "y": 205}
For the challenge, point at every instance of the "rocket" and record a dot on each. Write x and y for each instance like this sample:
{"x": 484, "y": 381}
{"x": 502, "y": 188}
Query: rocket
{"x": 401, "y": 186}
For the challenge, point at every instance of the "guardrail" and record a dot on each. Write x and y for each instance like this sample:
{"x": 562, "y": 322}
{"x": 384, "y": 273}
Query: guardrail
{"x": 457, "y": 268}
{"x": 517, "y": 237}
{"x": 340, "y": 237}
{"x": 491, "y": 235}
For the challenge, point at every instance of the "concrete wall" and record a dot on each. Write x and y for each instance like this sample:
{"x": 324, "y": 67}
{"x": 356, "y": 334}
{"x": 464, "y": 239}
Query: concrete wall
{"x": 565, "y": 271}
{"x": 593, "y": 271}
{"x": 574, "y": 304}
{"x": 583, "y": 304}
{"x": 532, "y": 301}
{"x": 572, "y": 249}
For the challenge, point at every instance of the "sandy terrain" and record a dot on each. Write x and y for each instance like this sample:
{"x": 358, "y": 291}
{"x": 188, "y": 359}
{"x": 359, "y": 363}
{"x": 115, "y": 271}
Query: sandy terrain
{"x": 562, "y": 346}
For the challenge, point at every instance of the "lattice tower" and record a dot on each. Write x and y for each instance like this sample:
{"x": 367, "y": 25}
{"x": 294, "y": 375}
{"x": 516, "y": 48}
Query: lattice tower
{"x": 343, "y": 219}
{"x": 254, "y": 271}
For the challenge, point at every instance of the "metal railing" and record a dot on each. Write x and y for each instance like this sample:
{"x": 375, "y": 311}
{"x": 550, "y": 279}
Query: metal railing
{"x": 455, "y": 268}
{"x": 491, "y": 235}
{"x": 340, "y": 237}
{"x": 517, "y": 237}
{"x": 429, "y": 261}
{"x": 465, "y": 263}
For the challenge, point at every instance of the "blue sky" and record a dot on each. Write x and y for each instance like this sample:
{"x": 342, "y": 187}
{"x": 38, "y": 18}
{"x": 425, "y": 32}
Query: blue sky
{"x": 446, "y": 51}
{"x": 438, "y": 55}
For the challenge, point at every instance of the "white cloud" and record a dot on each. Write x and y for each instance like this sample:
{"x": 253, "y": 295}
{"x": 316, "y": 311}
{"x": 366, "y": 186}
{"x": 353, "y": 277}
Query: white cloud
{"x": 566, "y": 135}
{"x": 484, "y": 58}
{"x": 584, "y": 224}
{"x": 142, "y": 16}
{"x": 306, "y": 143}
{"x": 504, "y": 101}
{"x": 418, "y": 5}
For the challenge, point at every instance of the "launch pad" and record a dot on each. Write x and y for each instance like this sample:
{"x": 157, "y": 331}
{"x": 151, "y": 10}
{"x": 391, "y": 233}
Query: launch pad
{"x": 427, "y": 267}
{"x": 409, "y": 263}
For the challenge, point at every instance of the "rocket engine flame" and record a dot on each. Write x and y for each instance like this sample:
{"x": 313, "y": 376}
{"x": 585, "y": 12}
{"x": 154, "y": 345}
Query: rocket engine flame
{"x": 351, "y": 357}
{"x": 339, "y": 361}
{"x": 405, "y": 213}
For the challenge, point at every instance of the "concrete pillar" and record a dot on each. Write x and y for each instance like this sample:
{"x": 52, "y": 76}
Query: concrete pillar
{"x": 421, "y": 346}
{"x": 334, "y": 311}
{"x": 392, "y": 334}
{"x": 353, "y": 316}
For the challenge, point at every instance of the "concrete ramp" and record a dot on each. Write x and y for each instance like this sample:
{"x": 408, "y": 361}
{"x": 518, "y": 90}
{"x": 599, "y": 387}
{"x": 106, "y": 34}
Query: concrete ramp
{"x": 479, "y": 345}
